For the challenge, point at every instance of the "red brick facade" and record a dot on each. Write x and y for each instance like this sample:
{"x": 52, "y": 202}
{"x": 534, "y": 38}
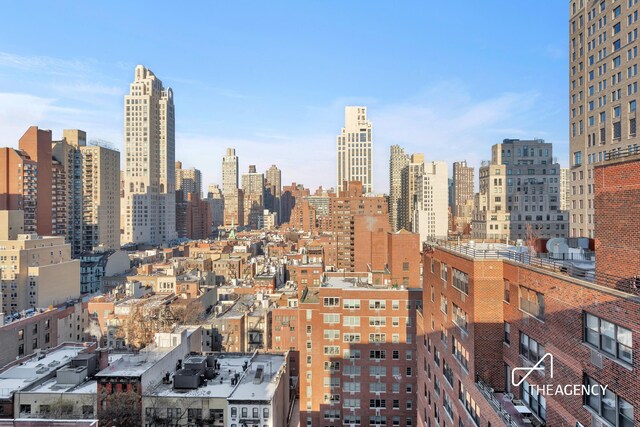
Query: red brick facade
{"x": 497, "y": 293}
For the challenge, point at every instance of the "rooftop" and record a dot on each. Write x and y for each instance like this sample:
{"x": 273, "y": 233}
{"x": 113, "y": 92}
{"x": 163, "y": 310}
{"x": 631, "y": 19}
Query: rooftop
{"x": 574, "y": 263}
{"x": 223, "y": 386}
{"x": 24, "y": 374}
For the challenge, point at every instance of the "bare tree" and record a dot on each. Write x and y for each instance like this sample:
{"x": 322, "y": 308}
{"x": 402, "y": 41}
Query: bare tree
{"x": 121, "y": 410}
{"x": 531, "y": 237}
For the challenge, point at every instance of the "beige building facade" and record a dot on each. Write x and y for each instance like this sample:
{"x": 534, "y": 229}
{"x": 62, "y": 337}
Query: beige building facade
{"x": 35, "y": 271}
{"x": 355, "y": 149}
{"x": 603, "y": 94}
{"x": 149, "y": 135}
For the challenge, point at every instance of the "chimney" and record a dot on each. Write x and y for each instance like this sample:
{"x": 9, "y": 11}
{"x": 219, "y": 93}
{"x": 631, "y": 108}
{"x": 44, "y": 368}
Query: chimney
{"x": 103, "y": 358}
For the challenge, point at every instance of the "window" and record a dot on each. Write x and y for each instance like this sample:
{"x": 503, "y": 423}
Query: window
{"x": 331, "y": 350}
{"x": 351, "y": 337}
{"x": 461, "y": 281}
{"x": 331, "y": 318}
{"x": 577, "y": 158}
{"x": 469, "y": 404}
{"x": 507, "y": 294}
{"x": 459, "y": 317}
{"x": 507, "y": 333}
{"x": 331, "y": 302}
{"x": 531, "y": 350}
{"x": 612, "y": 339}
{"x": 351, "y": 321}
{"x": 447, "y": 372}
{"x": 532, "y": 302}
{"x": 377, "y": 354}
{"x": 377, "y": 304}
{"x": 377, "y": 338}
{"x": 536, "y": 402}
{"x": 329, "y": 334}
{"x": 608, "y": 405}
{"x": 460, "y": 353}
{"x": 351, "y": 304}
{"x": 443, "y": 303}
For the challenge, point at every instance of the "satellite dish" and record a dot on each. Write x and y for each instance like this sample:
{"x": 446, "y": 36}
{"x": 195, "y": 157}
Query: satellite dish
{"x": 557, "y": 246}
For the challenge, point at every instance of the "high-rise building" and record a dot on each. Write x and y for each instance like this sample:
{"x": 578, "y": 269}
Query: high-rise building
{"x": 91, "y": 192}
{"x": 273, "y": 189}
{"x": 35, "y": 271}
{"x": 462, "y": 186}
{"x": 19, "y": 185}
{"x": 253, "y": 188}
{"x": 565, "y": 189}
{"x": 398, "y": 163}
{"x": 216, "y": 203}
{"x": 101, "y": 197}
{"x": 291, "y": 194}
{"x": 188, "y": 180}
{"x": 357, "y": 348}
{"x": 193, "y": 216}
{"x": 344, "y": 208}
{"x": 67, "y": 153}
{"x": 596, "y": 126}
{"x": 229, "y": 171}
{"x": 520, "y": 193}
{"x": 37, "y": 144}
{"x": 149, "y": 140}
{"x": 431, "y": 208}
{"x": 234, "y": 208}
{"x": 410, "y": 179}
{"x": 490, "y": 314}
{"x": 355, "y": 149}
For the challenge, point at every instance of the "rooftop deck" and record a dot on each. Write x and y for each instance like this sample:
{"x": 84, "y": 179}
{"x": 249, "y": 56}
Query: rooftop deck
{"x": 578, "y": 265}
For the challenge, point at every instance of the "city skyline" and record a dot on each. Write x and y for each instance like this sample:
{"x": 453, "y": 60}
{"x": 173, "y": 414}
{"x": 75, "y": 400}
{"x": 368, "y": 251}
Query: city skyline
{"x": 225, "y": 102}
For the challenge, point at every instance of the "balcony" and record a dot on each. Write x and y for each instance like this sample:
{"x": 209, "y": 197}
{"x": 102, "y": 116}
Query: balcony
{"x": 505, "y": 406}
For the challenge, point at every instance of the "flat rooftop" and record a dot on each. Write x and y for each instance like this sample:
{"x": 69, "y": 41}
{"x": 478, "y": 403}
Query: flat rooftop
{"x": 20, "y": 376}
{"x": 134, "y": 365}
{"x": 245, "y": 389}
{"x": 53, "y": 386}
{"x": 575, "y": 263}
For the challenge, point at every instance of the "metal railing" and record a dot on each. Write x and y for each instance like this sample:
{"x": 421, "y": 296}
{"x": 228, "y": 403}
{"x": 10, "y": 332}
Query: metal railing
{"x": 618, "y": 153}
{"x": 557, "y": 263}
{"x": 487, "y": 392}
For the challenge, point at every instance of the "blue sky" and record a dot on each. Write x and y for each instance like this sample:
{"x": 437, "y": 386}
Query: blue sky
{"x": 271, "y": 79}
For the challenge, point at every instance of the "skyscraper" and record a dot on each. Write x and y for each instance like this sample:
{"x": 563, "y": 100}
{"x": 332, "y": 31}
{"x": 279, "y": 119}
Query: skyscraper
{"x": 149, "y": 141}
{"x": 188, "y": 180}
{"x": 598, "y": 127}
{"x": 253, "y": 188}
{"x": 463, "y": 195}
{"x": 273, "y": 189}
{"x": 355, "y": 149}
{"x": 431, "y": 208}
{"x": 398, "y": 162}
{"x": 229, "y": 171}
{"x": 410, "y": 179}
{"x": 519, "y": 193}
{"x": 101, "y": 197}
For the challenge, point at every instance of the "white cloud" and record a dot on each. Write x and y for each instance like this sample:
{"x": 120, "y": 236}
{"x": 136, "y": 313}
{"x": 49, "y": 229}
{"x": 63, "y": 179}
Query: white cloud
{"x": 45, "y": 64}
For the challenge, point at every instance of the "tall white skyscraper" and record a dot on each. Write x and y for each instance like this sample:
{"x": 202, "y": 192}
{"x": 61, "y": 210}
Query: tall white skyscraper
{"x": 355, "y": 149}
{"x": 149, "y": 143}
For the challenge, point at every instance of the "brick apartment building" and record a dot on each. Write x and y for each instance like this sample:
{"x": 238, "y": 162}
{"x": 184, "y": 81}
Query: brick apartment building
{"x": 350, "y": 203}
{"x": 489, "y": 310}
{"x": 357, "y": 353}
